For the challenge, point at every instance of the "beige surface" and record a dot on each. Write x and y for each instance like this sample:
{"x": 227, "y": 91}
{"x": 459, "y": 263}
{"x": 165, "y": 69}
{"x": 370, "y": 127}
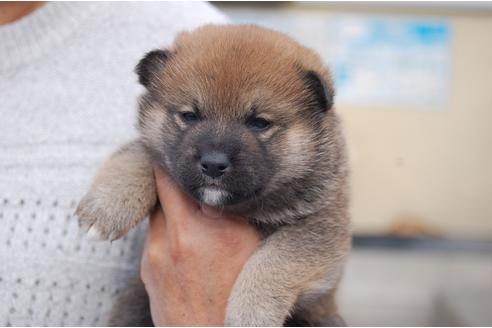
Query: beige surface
{"x": 428, "y": 164}
{"x": 416, "y": 288}
{"x": 434, "y": 165}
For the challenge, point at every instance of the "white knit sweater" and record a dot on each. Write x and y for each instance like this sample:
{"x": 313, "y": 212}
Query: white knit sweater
{"x": 67, "y": 100}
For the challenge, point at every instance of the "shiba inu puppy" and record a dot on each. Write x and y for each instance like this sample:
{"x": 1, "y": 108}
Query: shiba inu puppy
{"x": 242, "y": 118}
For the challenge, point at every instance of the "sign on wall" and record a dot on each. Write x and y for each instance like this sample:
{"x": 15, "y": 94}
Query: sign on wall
{"x": 376, "y": 60}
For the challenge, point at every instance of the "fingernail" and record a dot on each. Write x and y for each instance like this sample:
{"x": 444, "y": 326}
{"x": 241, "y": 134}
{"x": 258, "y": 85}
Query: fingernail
{"x": 211, "y": 212}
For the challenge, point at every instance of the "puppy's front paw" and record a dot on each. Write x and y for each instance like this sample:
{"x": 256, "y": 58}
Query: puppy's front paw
{"x": 106, "y": 216}
{"x": 245, "y": 312}
{"x": 246, "y": 319}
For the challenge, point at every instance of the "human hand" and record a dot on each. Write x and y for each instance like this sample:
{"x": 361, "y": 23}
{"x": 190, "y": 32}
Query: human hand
{"x": 192, "y": 258}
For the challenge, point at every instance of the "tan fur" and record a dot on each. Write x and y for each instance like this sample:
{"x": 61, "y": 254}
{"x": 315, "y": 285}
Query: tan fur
{"x": 302, "y": 211}
{"x": 249, "y": 69}
{"x": 122, "y": 194}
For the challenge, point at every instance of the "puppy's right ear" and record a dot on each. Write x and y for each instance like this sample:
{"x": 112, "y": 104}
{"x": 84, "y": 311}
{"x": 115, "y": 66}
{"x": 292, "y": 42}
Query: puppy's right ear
{"x": 149, "y": 67}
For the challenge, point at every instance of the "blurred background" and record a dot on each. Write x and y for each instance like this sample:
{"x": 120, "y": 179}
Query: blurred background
{"x": 414, "y": 89}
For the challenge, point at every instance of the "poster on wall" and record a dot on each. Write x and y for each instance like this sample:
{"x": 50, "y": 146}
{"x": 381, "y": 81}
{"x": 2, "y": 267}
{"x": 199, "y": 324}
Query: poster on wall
{"x": 376, "y": 60}
{"x": 391, "y": 61}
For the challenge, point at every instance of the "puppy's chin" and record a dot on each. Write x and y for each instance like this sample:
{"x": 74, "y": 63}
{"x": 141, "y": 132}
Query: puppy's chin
{"x": 214, "y": 196}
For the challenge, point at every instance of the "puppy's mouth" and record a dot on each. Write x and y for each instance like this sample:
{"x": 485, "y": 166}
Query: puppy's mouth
{"x": 214, "y": 196}
{"x": 220, "y": 197}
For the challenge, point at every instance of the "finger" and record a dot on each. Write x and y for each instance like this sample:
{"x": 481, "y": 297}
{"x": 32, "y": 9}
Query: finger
{"x": 182, "y": 211}
{"x": 175, "y": 203}
{"x": 156, "y": 234}
{"x": 211, "y": 212}
{"x": 157, "y": 225}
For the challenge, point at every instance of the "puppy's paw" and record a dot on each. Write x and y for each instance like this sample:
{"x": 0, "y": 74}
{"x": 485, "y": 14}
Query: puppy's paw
{"x": 253, "y": 316}
{"x": 334, "y": 320}
{"x": 106, "y": 216}
{"x": 94, "y": 234}
{"x": 250, "y": 321}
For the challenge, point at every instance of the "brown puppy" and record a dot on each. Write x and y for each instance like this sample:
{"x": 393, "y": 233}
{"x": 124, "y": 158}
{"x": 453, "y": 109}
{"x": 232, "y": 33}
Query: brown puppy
{"x": 241, "y": 117}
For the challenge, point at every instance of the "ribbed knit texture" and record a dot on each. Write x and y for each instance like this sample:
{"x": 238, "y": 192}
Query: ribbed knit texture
{"x": 67, "y": 100}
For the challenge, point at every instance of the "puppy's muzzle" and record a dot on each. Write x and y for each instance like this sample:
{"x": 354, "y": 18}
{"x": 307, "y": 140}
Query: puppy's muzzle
{"x": 214, "y": 164}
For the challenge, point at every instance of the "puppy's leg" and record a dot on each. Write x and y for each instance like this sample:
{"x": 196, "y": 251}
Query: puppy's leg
{"x": 288, "y": 264}
{"x": 122, "y": 194}
{"x": 317, "y": 308}
{"x": 333, "y": 320}
{"x": 132, "y": 308}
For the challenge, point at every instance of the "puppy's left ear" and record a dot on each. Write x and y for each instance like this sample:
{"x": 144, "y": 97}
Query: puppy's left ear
{"x": 320, "y": 94}
{"x": 149, "y": 67}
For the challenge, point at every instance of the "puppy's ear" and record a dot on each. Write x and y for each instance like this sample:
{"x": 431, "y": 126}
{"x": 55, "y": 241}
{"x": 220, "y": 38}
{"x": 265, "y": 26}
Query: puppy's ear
{"x": 320, "y": 94}
{"x": 149, "y": 67}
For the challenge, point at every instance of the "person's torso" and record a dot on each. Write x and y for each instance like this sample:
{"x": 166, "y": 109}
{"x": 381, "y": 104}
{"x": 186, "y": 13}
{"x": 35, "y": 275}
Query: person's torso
{"x": 61, "y": 115}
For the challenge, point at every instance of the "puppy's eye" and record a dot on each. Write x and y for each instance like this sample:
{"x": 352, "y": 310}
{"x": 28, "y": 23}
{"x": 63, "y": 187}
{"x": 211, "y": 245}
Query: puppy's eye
{"x": 189, "y": 117}
{"x": 258, "y": 123}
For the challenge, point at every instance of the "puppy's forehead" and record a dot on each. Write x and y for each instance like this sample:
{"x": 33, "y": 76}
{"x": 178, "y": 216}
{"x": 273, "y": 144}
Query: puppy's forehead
{"x": 236, "y": 101}
{"x": 230, "y": 69}
{"x": 241, "y": 83}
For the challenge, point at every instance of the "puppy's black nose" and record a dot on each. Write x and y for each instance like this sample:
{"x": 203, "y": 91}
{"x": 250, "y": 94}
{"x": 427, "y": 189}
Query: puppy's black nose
{"x": 214, "y": 164}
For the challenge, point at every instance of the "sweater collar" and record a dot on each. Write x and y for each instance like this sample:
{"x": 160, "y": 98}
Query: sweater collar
{"x": 35, "y": 34}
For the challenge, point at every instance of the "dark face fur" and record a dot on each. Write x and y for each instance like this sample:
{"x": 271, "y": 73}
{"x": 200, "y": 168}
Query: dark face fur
{"x": 218, "y": 162}
{"x": 240, "y": 117}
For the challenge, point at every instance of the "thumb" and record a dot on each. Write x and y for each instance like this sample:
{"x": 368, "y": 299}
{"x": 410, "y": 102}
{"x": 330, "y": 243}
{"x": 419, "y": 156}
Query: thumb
{"x": 177, "y": 204}
{"x": 174, "y": 202}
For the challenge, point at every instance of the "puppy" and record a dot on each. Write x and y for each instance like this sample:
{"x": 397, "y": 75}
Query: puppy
{"x": 242, "y": 118}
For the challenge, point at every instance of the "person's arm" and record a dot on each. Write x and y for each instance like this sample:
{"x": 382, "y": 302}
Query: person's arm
{"x": 192, "y": 258}
{"x": 11, "y": 11}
